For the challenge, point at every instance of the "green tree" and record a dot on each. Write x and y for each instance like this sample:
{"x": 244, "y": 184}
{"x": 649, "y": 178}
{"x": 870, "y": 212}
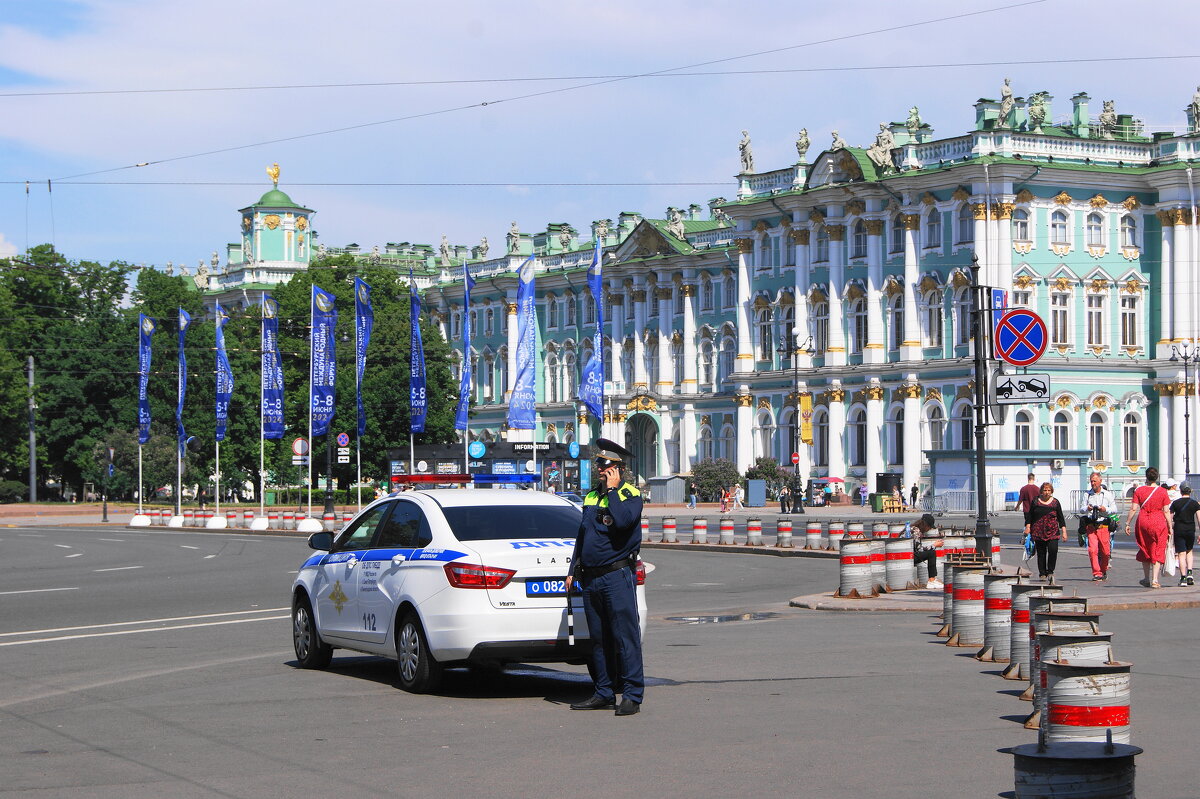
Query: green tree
{"x": 767, "y": 469}
{"x": 713, "y": 476}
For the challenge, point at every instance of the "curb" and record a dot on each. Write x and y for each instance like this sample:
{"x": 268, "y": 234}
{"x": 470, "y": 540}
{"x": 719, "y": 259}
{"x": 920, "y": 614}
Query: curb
{"x": 787, "y": 552}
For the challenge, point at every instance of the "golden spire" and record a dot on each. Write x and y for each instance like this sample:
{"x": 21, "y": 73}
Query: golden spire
{"x": 273, "y": 173}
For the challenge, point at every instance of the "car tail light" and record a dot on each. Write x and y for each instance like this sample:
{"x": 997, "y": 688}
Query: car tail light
{"x": 466, "y": 575}
{"x": 640, "y": 571}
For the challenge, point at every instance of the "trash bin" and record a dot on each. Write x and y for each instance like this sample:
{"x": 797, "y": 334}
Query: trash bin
{"x": 877, "y": 502}
{"x": 269, "y": 497}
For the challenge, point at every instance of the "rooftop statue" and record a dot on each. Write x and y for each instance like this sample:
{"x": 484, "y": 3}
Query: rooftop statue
{"x": 914, "y": 121}
{"x": 483, "y": 247}
{"x": 746, "y": 153}
{"x": 444, "y": 250}
{"x": 514, "y": 238}
{"x": 675, "y": 222}
{"x": 880, "y": 152}
{"x": 564, "y": 239}
{"x": 273, "y": 174}
{"x": 838, "y": 142}
{"x": 1195, "y": 109}
{"x": 802, "y": 144}
{"x": 1004, "y": 117}
{"x": 1037, "y": 112}
{"x": 201, "y": 277}
{"x": 1108, "y": 120}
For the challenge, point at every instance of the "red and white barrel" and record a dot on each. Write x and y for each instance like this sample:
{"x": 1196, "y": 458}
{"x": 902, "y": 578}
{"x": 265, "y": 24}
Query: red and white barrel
{"x": 834, "y": 535}
{"x": 954, "y": 542}
{"x": 645, "y": 529}
{"x": 1066, "y": 648}
{"x": 289, "y": 520}
{"x": 273, "y": 519}
{"x": 726, "y": 534}
{"x": 1037, "y": 604}
{"x": 783, "y": 532}
{"x": 669, "y": 530}
{"x": 878, "y": 562}
{"x": 754, "y": 533}
{"x": 248, "y": 518}
{"x": 812, "y": 535}
{"x": 155, "y": 515}
{"x": 699, "y": 531}
{"x": 329, "y": 520}
{"x": 997, "y": 617}
{"x": 1085, "y": 699}
{"x": 898, "y": 561}
{"x": 995, "y": 549}
{"x": 948, "y": 597}
{"x": 854, "y": 529}
{"x": 1018, "y": 647}
{"x": 967, "y": 613}
{"x": 854, "y": 569}
{"x": 879, "y": 530}
{"x": 189, "y": 517}
{"x": 231, "y": 518}
{"x": 896, "y": 530}
{"x": 346, "y": 517}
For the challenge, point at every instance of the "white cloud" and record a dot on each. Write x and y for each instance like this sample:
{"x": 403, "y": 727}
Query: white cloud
{"x": 7, "y": 248}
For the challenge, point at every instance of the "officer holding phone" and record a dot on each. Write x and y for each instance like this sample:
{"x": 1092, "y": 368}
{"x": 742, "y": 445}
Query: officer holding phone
{"x": 604, "y": 564}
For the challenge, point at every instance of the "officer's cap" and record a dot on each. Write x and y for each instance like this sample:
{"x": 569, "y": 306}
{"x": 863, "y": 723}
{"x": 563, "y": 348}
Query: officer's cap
{"x": 609, "y": 453}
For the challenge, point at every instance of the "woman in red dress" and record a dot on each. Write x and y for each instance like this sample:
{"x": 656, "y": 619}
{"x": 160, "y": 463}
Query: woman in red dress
{"x": 1151, "y": 504}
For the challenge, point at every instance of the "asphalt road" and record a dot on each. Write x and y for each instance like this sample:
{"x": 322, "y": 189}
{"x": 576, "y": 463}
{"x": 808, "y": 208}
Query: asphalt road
{"x": 150, "y": 664}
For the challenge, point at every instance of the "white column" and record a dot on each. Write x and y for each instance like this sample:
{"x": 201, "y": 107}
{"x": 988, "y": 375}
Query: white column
{"x": 510, "y": 308}
{"x": 835, "y": 354}
{"x": 689, "y": 339}
{"x": 666, "y": 366}
{"x": 640, "y": 377}
{"x": 875, "y": 429}
{"x": 836, "y": 396}
{"x": 912, "y": 431}
{"x": 664, "y": 433}
{"x": 744, "y": 443}
{"x": 687, "y": 438}
{"x": 804, "y": 467}
{"x": 583, "y": 430}
{"x": 616, "y": 315}
{"x": 910, "y": 346}
{"x": 1004, "y": 280}
{"x": 803, "y": 278}
{"x": 1178, "y": 405}
{"x": 874, "y": 351}
{"x": 1166, "y": 283}
{"x": 745, "y": 353}
{"x": 1165, "y": 430}
{"x": 1185, "y": 283}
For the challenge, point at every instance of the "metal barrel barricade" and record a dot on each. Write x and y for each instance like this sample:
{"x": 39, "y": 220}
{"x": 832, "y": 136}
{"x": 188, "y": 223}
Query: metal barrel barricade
{"x": 1037, "y": 604}
{"x": 812, "y": 535}
{"x": 645, "y": 529}
{"x": 346, "y": 517}
{"x": 834, "y": 533}
{"x": 726, "y": 534}
{"x": 1018, "y": 648}
{"x": 896, "y": 530}
{"x": 996, "y": 550}
{"x": 670, "y": 530}
{"x": 855, "y": 529}
{"x": 878, "y": 563}
{"x": 329, "y": 520}
{"x": 754, "y": 533}
{"x": 967, "y": 613}
{"x": 189, "y": 517}
{"x": 879, "y": 530}
{"x": 273, "y": 519}
{"x": 1068, "y": 648}
{"x": 997, "y": 617}
{"x": 289, "y": 520}
{"x": 948, "y": 577}
{"x": 699, "y": 531}
{"x": 231, "y": 518}
{"x": 1086, "y": 699}
{"x": 247, "y": 518}
{"x": 1079, "y": 769}
{"x": 783, "y": 532}
{"x": 898, "y": 561}
{"x": 854, "y": 569}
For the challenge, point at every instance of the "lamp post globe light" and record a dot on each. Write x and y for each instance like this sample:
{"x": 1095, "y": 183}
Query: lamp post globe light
{"x": 1189, "y": 353}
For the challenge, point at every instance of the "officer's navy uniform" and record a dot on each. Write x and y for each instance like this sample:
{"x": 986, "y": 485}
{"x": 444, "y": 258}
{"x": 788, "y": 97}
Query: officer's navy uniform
{"x": 604, "y": 563}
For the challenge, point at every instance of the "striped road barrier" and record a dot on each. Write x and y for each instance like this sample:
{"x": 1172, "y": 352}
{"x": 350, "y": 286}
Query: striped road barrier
{"x": 997, "y": 617}
{"x": 1018, "y": 648}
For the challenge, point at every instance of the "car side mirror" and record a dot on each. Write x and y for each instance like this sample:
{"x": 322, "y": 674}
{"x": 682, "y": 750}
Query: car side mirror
{"x": 322, "y": 541}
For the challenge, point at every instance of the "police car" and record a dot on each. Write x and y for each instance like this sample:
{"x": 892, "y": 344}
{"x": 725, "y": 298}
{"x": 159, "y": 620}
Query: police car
{"x": 444, "y": 578}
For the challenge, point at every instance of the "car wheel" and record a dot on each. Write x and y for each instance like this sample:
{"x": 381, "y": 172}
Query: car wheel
{"x": 419, "y": 670}
{"x": 311, "y": 651}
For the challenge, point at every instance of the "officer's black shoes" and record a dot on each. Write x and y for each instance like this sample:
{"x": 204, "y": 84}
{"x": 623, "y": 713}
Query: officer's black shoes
{"x": 597, "y": 703}
{"x": 628, "y": 707}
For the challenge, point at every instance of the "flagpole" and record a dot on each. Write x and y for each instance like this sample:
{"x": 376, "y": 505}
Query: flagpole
{"x": 358, "y": 393}
{"x": 262, "y": 410}
{"x": 217, "y": 485}
{"x": 178, "y": 442}
{"x": 141, "y": 488}
{"x": 311, "y": 326}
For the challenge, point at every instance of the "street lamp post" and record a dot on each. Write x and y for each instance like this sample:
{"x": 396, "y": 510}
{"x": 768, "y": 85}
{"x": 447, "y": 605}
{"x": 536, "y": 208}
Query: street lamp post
{"x": 1189, "y": 353}
{"x": 794, "y": 347}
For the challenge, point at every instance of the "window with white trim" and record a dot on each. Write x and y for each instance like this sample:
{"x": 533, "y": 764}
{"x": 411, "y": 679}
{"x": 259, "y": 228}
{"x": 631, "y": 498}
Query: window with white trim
{"x": 933, "y": 319}
{"x": 897, "y": 233}
{"x": 766, "y": 330}
{"x": 706, "y": 296}
{"x": 966, "y": 225}
{"x": 937, "y": 427}
{"x": 489, "y": 323}
{"x": 821, "y": 437}
{"x": 725, "y": 362}
{"x": 729, "y": 292}
{"x": 1096, "y": 433}
{"x": 933, "y": 229}
{"x": 896, "y": 322}
{"x": 456, "y": 325}
{"x": 1058, "y": 228}
{"x": 1129, "y": 231}
{"x": 820, "y": 320}
{"x": 1131, "y": 437}
{"x": 707, "y": 364}
{"x": 858, "y": 325}
{"x": 858, "y": 241}
{"x": 1020, "y": 225}
{"x": 964, "y": 425}
{"x": 962, "y": 317}
{"x": 572, "y": 311}
{"x": 1062, "y": 431}
{"x": 858, "y": 437}
{"x": 1024, "y": 430}
{"x": 821, "y": 251}
{"x": 1129, "y": 320}
{"x": 1022, "y": 299}
{"x": 1094, "y": 230}
{"x": 1060, "y": 331}
{"x": 895, "y": 453}
{"x": 1095, "y": 320}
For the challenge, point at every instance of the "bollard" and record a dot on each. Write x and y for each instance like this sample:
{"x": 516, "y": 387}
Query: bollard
{"x": 855, "y": 529}
{"x": 967, "y": 613}
{"x": 812, "y": 535}
{"x": 834, "y": 534}
{"x": 997, "y": 617}
{"x": 329, "y": 521}
{"x": 699, "y": 531}
{"x": 947, "y": 598}
{"x": 898, "y": 563}
{"x": 346, "y": 517}
{"x": 155, "y": 515}
{"x": 273, "y": 519}
{"x": 1037, "y": 604}
{"x": 1085, "y": 700}
{"x": 231, "y": 518}
{"x": 289, "y": 520}
{"x": 1081, "y": 769}
{"x": 189, "y": 517}
{"x": 783, "y": 532}
{"x": 726, "y": 534}
{"x": 896, "y": 530}
{"x": 878, "y": 563}
{"x": 854, "y": 569}
{"x": 754, "y": 533}
{"x": 995, "y": 550}
{"x": 247, "y": 518}
{"x": 1064, "y": 648}
{"x": 879, "y": 530}
{"x": 645, "y": 529}
{"x": 669, "y": 533}
{"x": 1018, "y": 648}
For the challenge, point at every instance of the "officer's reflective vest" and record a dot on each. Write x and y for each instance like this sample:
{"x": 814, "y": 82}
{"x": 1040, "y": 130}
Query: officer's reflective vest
{"x": 626, "y": 491}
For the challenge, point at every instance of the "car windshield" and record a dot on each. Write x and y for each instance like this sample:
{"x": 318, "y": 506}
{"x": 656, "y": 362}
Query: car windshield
{"x": 491, "y": 522}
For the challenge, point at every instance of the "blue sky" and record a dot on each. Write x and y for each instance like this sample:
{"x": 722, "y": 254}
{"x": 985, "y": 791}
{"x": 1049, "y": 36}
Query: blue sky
{"x": 646, "y": 130}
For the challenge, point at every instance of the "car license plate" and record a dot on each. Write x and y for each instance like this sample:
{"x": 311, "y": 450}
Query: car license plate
{"x": 552, "y": 587}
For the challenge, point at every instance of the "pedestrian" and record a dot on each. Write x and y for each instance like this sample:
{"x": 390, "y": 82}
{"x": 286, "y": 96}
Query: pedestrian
{"x": 785, "y": 498}
{"x": 1029, "y": 493}
{"x": 924, "y": 550}
{"x": 1153, "y": 526}
{"x": 693, "y": 494}
{"x": 726, "y": 495}
{"x": 1099, "y": 504}
{"x": 604, "y": 562}
{"x": 739, "y": 494}
{"x": 1183, "y": 515}
{"x": 1045, "y": 523}
{"x": 862, "y": 495}
{"x": 913, "y": 495}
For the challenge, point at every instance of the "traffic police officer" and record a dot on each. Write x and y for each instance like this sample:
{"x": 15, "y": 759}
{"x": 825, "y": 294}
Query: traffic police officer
{"x": 604, "y": 563}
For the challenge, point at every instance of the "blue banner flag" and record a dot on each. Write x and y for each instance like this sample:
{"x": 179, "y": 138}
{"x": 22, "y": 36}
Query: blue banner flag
{"x": 464, "y": 385}
{"x": 417, "y": 401}
{"x": 323, "y": 363}
{"x": 185, "y": 320}
{"x": 522, "y": 408}
{"x": 272, "y": 371}
{"x": 364, "y": 321}
{"x": 145, "y": 329}
{"x": 224, "y": 375}
{"x": 591, "y": 391}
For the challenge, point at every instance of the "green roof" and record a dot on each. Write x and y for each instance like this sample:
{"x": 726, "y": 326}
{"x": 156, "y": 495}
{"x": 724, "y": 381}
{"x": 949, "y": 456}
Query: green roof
{"x": 275, "y": 197}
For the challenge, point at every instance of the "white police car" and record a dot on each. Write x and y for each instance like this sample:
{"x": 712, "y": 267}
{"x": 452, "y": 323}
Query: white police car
{"x": 444, "y": 578}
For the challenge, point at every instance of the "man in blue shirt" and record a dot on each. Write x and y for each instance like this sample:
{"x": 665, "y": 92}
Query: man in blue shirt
{"x": 604, "y": 563}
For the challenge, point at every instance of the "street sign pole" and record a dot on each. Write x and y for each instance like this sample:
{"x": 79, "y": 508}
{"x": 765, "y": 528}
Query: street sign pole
{"x": 983, "y": 529}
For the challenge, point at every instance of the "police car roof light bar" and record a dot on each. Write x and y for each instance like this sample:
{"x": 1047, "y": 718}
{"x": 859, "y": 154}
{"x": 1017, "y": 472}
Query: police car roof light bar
{"x": 435, "y": 478}
{"x": 506, "y": 478}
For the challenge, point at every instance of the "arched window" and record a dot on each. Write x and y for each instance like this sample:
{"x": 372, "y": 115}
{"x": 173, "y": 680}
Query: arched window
{"x": 937, "y": 428}
{"x": 962, "y": 317}
{"x": 729, "y": 292}
{"x": 1058, "y": 228}
{"x": 552, "y": 376}
{"x": 706, "y": 295}
{"x": 858, "y": 325}
{"x": 766, "y": 343}
{"x": 489, "y": 379}
{"x": 1024, "y": 430}
{"x": 456, "y": 367}
{"x": 627, "y": 365}
{"x": 1096, "y": 429}
{"x": 858, "y": 437}
{"x": 502, "y": 363}
{"x": 651, "y": 303}
{"x": 786, "y": 335}
{"x": 896, "y": 322}
{"x": 1020, "y": 225}
{"x": 764, "y": 436}
{"x": 551, "y": 312}
{"x": 1094, "y": 229}
{"x": 589, "y": 311}
{"x": 1129, "y": 320}
{"x": 673, "y": 452}
{"x": 966, "y": 224}
{"x": 821, "y": 438}
{"x": 858, "y": 242}
{"x": 1130, "y": 437}
{"x": 489, "y": 325}
{"x": 474, "y": 323}
{"x": 1062, "y": 431}
{"x": 897, "y": 233}
{"x": 572, "y": 311}
{"x": 933, "y": 318}
{"x": 725, "y": 362}
{"x": 704, "y": 443}
{"x": 820, "y": 320}
{"x": 895, "y": 452}
{"x": 727, "y": 438}
{"x": 677, "y": 300}
{"x": 707, "y": 364}
{"x": 964, "y": 426}
{"x": 821, "y": 252}
{"x": 650, "y": 359}
{"x": 933, "y": 229}
{"x": 677, "y": 362}
{"x": 1128, "y": 231}
{"x": 571, "y": 377}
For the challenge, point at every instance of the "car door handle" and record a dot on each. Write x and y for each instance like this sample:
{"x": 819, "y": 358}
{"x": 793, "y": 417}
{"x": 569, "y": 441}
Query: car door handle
{"x": 350, "y": 564}
{"x": 397, "y": 560}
